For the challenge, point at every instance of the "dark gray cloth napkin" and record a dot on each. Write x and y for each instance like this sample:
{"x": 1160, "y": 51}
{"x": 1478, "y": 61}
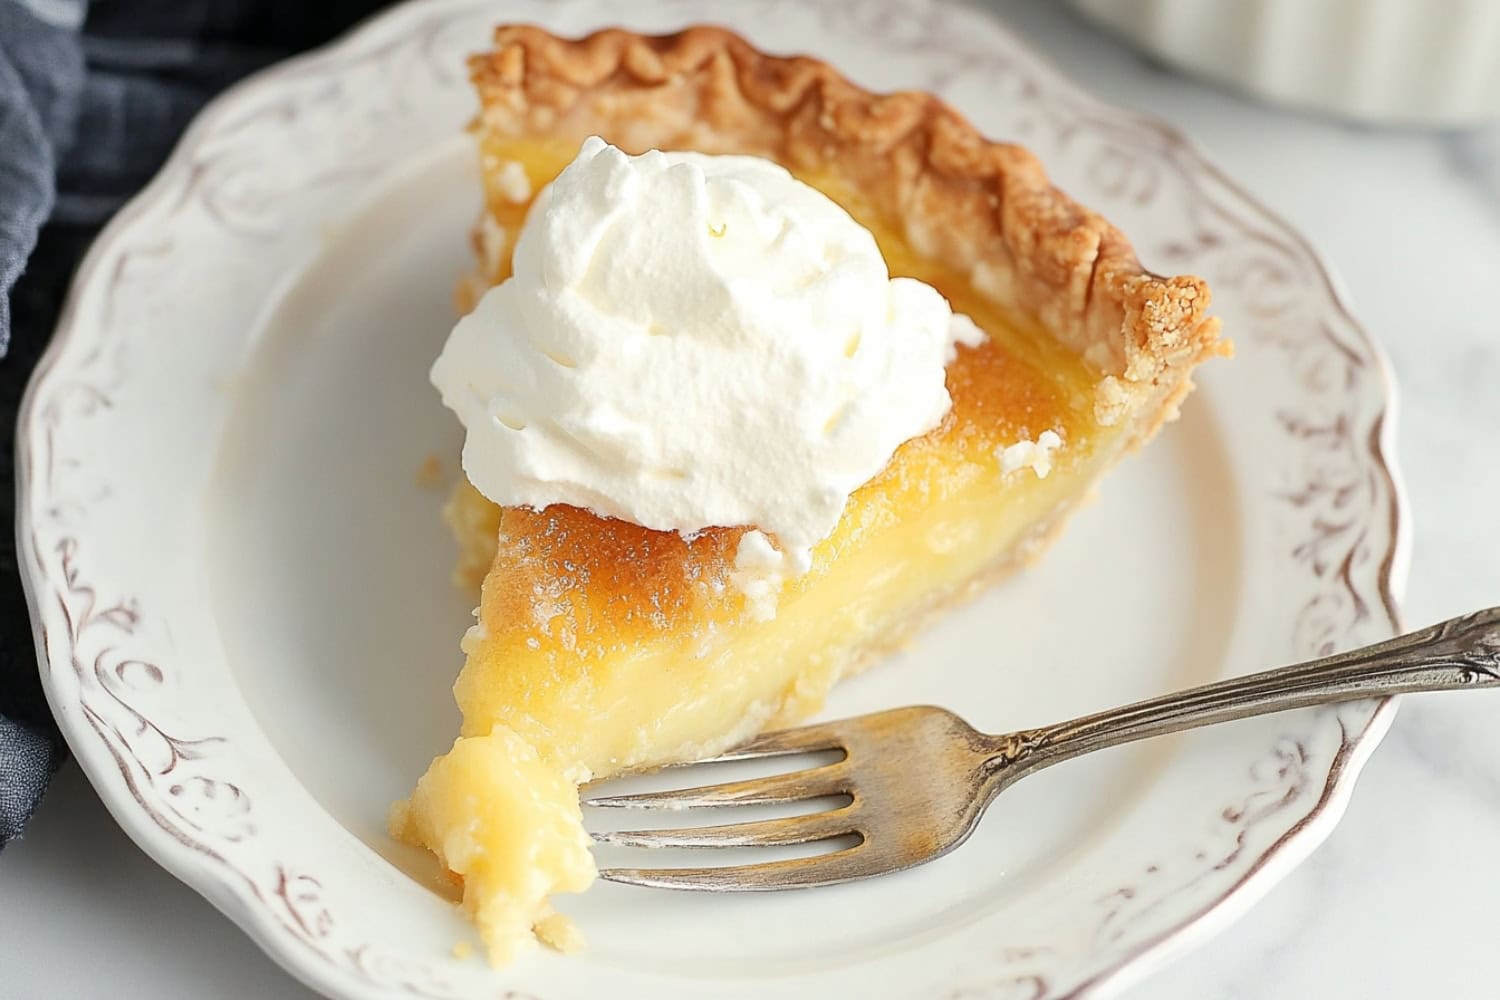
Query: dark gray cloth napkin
{"x": 91, "y": 100}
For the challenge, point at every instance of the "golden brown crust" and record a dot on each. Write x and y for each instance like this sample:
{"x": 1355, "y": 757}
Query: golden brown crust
{"x": 984, "y": 209}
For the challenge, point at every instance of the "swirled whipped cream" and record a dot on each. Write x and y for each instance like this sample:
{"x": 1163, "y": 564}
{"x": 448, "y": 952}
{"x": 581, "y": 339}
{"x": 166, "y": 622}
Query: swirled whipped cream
{"x": 692, "y": 341}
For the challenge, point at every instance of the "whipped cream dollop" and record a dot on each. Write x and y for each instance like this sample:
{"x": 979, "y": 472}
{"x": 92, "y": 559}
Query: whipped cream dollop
{"x": 692, "y": 341}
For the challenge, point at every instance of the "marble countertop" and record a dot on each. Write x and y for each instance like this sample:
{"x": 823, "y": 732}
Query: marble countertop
{"x": 1399, "y": 901}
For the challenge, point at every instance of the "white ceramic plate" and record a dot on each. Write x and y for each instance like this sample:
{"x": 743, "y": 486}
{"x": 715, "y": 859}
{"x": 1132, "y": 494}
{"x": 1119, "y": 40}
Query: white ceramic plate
{"x": 242, "y": 595}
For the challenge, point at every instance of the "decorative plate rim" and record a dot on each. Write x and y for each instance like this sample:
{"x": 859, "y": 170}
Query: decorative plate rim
{"x": 111, "y": 781}
{"x": 1298, "y": 843}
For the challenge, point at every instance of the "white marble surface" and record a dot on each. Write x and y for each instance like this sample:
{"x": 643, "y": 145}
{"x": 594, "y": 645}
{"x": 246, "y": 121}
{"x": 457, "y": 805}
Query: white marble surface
{"x": 1401, "y": 900}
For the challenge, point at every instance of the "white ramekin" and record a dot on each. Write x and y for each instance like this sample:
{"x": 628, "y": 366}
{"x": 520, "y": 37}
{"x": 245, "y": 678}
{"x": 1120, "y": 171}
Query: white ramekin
{"x": 1413, "y": 62}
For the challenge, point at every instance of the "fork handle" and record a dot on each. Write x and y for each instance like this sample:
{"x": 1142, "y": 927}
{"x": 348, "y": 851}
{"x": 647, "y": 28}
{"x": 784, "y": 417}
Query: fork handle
{"x": 1462, "y": 652}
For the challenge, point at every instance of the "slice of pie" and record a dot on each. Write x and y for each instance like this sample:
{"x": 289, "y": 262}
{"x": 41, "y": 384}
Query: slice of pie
{"x": 602, "y": 645}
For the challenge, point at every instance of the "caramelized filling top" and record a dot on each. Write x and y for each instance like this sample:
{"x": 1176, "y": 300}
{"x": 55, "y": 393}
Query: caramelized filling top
{"x": 567, "y": 581}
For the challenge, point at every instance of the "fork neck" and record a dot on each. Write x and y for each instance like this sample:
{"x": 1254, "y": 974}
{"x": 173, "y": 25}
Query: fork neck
{"x": 1461, "y": 653}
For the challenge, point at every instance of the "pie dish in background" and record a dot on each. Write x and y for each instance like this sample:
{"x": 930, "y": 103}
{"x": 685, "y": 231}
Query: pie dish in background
{"x": 1392, "y": 62}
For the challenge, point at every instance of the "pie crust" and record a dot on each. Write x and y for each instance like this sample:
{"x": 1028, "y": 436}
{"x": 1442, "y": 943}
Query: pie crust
{"x": 983, "y": 209}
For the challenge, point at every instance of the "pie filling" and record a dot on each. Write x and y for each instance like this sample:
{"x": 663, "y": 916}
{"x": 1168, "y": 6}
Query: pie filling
{"x": 602, "y": 646}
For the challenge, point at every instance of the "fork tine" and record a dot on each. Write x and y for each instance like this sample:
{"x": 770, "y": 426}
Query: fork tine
{"x": 764, "y": 833}
{"x": 798, "y": 873}
{"x": 830, "y": 779}
{"x": 806, "y": 739}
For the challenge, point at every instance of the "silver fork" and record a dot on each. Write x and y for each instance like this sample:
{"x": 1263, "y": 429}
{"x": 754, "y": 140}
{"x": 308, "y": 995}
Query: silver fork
{"x": 918, "y": 779}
